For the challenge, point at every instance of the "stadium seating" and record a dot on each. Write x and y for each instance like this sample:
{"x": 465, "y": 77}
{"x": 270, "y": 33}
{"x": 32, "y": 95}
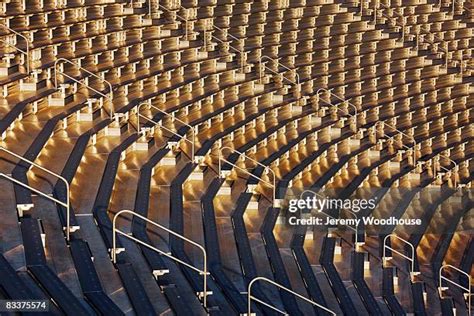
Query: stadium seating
{"x": 205, "y": 117}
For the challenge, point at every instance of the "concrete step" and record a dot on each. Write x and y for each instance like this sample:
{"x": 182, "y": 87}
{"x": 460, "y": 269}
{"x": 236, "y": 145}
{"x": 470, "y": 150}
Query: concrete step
{"x": 10, "y": 235}
{"x": 108, "y": 275}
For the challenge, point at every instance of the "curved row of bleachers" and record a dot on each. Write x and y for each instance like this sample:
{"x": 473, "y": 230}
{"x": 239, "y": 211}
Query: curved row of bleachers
{"x": 247, "y": 76}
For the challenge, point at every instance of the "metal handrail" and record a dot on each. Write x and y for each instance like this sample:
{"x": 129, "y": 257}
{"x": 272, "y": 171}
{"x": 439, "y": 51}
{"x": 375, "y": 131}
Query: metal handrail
{"x": 451, "y": 160}
{"x": 186, "y": 20}
{"x": 309, "y": 191}
{"x": 228, "y": 34}
{"x": 26, "y": 53}
{"x": 66, "y": 204}
{"x": 400, "y": 16}
{"x": 361, "y": 7}
{"x": 340, "y": 98}
{"x": 440, "y": 47}
{"x": 250, "y": 297}
{"x": 164, "y": 253}
{"x": 468, "y": 289}
{"x": 376, "y": 8}
{"x": 397, "y": 130}
{"x": 411, "y": 258}
{"x": 164, "y": 8}
{"x": 267, "y": 168}
{"x": 241, "y": 52}
{"x": 297, "y": 82}
{"x": 415, "y": 145}
{"x": 356, "y": 229}
{"x": 111, "y": 92}
{"x": 446, "y": 169}
{"x": 167, "y": 129}
{"x": 402, "y": 25}
{"x": 462, "y": 6}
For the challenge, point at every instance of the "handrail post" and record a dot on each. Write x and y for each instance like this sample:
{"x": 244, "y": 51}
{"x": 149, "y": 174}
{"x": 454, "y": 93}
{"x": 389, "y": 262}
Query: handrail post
{"x": 206, "y": 40}
{"x": 66, "y": 204}
{"x": 138, "y": 114}
{"x": 186, "y": 24}
{"x": 242, "y": 57}
{"x": 356, "y": 227}
{"x": 375, "y": 11}
{"x": 446, "y": 54}
{"x": 250, "y": 297}
{"x": 203, "y": 272}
